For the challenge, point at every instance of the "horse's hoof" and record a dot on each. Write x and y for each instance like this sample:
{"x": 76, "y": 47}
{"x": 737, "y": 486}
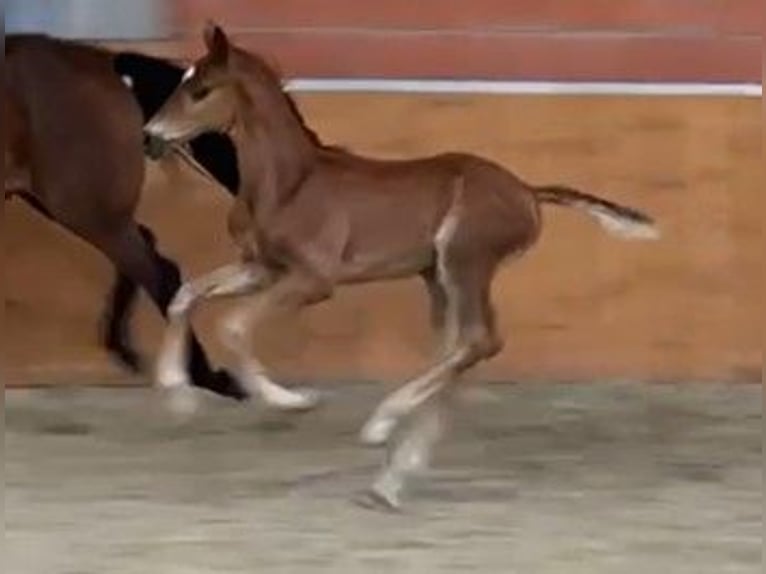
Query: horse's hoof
{"x": 225, "y": 384}
{"x": 377, "y": 430}
{"x": 130, "y": 360}
{"x": 373, "y": 499}
{"x": 122, "y": 351}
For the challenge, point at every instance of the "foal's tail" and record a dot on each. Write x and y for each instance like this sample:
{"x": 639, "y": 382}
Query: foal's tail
{"x": 616, "y": 219}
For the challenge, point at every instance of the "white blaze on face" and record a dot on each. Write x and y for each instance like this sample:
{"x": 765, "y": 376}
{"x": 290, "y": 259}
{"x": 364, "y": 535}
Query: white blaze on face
{"x": 189, "y": 74}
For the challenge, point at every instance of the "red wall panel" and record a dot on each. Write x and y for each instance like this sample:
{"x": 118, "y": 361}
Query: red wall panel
{"x": 626, "y": 40}
{"x": 532, "y": 56}
{"x": 741, "y": 17}
{"x": 612, "y": 15}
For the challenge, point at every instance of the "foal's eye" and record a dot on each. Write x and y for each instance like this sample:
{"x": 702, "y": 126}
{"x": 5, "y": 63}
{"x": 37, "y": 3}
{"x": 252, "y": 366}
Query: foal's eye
{"x": 200, "y": 93}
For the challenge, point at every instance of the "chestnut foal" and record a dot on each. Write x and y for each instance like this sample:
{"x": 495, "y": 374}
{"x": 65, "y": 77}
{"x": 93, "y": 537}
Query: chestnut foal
{"x": 309, "y": 218}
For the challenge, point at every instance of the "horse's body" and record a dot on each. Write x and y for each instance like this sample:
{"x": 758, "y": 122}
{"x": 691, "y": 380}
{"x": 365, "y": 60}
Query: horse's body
{"x": 74, "y": 151}
{"x": 309, "y": 218}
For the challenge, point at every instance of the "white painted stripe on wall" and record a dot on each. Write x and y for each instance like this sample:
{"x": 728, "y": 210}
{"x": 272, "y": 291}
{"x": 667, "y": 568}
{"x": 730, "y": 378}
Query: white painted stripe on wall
{"x": 522, "y": 88}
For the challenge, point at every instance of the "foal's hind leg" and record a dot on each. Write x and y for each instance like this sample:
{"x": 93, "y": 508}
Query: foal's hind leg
{"x": 427, "y": 398}
{"x": 411, "y": 450}
{"x": 444, "y": 323}
{"x": 409, "y": 455}
{"x": 469, "y": 336}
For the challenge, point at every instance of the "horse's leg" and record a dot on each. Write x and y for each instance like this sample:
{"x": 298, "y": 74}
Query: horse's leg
{"x": 160, "y": 277}
{"x": 292, "y": 291}
{"x": 115, "y": 322}
{"x": 132, "y": 250}
{"x": 116, "y": 335}
{"x": 230, "y": 280}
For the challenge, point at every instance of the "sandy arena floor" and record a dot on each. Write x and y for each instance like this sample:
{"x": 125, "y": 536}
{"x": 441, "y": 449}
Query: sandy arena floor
{"x": 616, "y": 479}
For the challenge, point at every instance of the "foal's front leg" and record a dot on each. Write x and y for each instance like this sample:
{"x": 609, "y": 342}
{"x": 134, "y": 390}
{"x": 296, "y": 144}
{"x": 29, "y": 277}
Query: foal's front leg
{"x": 230, "y": 280}
{"x": 293, "y": 291}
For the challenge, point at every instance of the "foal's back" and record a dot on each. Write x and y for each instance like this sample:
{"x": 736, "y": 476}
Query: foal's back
{"x": 394, "y": 210}
{"x": 433, "y": 180}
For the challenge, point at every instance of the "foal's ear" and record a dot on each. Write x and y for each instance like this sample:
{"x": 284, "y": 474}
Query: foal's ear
{"x": 216, "y": 41}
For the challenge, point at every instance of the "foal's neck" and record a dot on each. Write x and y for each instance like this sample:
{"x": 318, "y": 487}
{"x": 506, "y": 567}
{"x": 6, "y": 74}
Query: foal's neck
{"x": 274, "y": 148}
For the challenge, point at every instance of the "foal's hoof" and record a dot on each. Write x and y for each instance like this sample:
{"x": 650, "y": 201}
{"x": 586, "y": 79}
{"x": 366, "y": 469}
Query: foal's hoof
{"x": 182, "y": 399}
{"x": 377, "y": 430}
{"x": 299, "y": 400}
{"x": 373, "y": 499}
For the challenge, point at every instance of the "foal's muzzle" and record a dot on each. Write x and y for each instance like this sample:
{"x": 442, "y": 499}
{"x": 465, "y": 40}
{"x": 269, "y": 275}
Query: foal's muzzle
{"x": 155, "y": 147}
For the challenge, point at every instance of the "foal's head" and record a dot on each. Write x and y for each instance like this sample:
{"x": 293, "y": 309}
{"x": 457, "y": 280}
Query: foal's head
{"x": 229, "y": 87}
{"x": 207, "y": 97}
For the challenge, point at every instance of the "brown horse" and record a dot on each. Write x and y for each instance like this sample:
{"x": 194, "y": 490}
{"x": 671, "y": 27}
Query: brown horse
{"x": 309, "y": 218}
{"x": 74, "y": 151}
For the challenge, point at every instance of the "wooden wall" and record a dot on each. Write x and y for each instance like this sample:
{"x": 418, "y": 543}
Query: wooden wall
{"x": 581, "y": 306}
